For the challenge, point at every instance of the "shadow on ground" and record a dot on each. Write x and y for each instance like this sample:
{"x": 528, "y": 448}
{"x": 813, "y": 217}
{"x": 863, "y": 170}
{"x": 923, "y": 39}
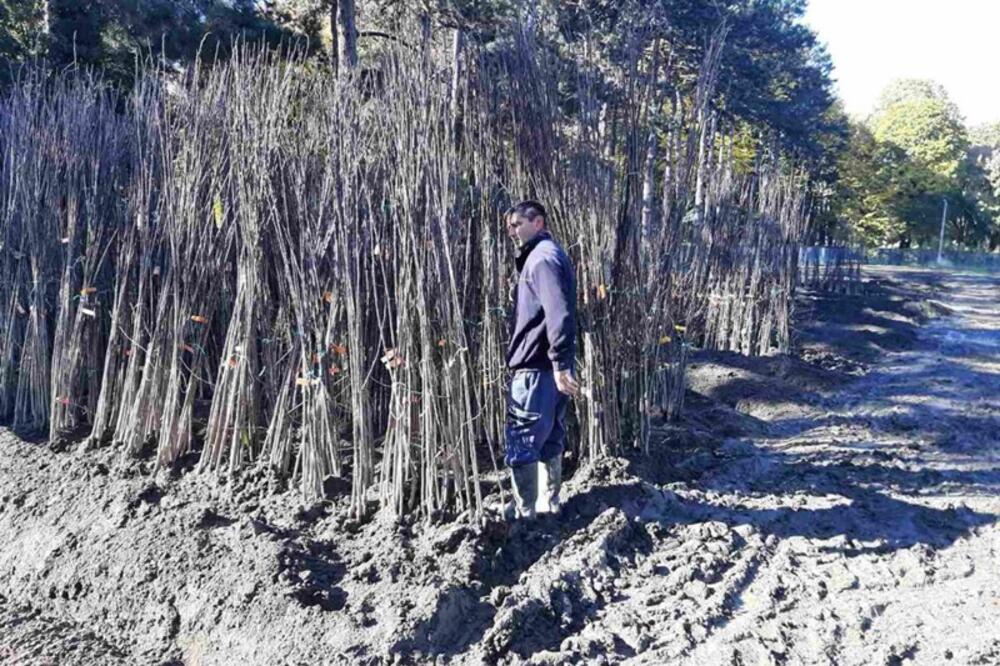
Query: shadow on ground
{"x": 869, "y": 517}
{"x": 854, "y": 498}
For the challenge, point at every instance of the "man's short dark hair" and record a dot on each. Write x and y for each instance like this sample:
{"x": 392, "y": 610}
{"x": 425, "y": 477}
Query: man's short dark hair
{"x": 530, "y": 209}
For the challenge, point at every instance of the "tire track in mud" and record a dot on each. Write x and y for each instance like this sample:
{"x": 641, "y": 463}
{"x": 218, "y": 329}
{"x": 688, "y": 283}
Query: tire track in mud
{"x": 859, "y": 530}
{"x": 896, "y": 569}
{"x": 29, "y": 637}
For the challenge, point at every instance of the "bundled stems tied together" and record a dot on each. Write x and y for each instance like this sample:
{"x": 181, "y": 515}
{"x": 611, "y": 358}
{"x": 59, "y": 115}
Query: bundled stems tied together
{"x": 261, "y": 265}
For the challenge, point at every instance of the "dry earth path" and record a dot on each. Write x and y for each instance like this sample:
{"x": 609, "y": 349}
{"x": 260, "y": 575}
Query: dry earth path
{"x": 873, "y": 516}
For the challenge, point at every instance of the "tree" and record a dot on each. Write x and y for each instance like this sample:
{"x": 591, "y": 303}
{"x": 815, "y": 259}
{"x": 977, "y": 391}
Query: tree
{"x": 776, "y": 74}
{"x": 928, "y": 132}
{"x": 982, "y": 168}
{"x": 912, "y": 152}
{"x": 346, "y": 35}
{"x": 76, "y": 28}
{"x": 111, "y": 34}
{"x": 987, "y": 134}
{"x": 906, "y": 90}
{"x": 985, "y": 154}
{"x": 919, "y": 120}
{"x": 868, "y": 195}
{"x": 24, "y": 28}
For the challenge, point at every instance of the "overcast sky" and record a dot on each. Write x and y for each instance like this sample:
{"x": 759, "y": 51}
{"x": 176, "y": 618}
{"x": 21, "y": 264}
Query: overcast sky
{"x": 954, "y": 42}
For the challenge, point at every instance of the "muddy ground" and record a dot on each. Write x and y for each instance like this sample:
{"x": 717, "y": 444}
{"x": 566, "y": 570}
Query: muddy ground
{"x": 835, "y": 507}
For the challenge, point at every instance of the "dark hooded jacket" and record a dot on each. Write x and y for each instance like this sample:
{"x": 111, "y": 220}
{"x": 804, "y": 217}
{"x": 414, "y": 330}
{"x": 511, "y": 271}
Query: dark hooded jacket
{"x": 543, "y": 321}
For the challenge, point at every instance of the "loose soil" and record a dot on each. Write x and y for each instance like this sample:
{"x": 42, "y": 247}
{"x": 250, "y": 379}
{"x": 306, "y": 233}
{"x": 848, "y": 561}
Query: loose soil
{"x": 838, "y": 506}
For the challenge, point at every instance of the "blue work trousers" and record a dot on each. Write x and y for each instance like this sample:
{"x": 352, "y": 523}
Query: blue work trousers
{"x": 536, "y": 412}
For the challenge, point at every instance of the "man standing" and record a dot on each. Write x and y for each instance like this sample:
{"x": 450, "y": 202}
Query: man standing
{"x": 541, "y": 357}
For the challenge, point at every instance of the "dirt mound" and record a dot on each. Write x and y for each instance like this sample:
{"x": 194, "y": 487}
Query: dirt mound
{"x": 838, "y": 337}
{"x": 28, "y": 636}
{"x": 169, "y": 569}
{"x": 767, "y": 388}
{"x": 847, "y": 333}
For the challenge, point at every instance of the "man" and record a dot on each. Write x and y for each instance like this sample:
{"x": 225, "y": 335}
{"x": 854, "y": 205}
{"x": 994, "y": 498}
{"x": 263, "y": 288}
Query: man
{"x": 541, "y": 357}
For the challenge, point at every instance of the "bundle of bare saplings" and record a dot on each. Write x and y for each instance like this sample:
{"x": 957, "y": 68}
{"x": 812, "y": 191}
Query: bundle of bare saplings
{"x": 260, "y": 265}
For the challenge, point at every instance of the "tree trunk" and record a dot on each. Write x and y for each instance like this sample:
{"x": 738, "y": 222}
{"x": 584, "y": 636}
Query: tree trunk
{"x": 347, "y": 36}
{"x": 46, "y": 20}
{"x": 457, "y": 74}
{"x": 425, "y": 37}
{"x": 334, "y": 48}
{"x": 649, "y": 175}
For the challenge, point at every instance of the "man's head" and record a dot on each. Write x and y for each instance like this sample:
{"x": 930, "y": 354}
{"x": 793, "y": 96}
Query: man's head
{"x": 525, "y": 221}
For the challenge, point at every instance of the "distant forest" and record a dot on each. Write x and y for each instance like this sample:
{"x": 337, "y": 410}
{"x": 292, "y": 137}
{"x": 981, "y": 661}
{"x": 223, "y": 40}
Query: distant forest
{"x": 878, "y": 180}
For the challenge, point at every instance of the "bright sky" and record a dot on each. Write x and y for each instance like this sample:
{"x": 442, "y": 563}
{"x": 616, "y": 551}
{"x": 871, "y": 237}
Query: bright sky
{"x": 954, "y": 42}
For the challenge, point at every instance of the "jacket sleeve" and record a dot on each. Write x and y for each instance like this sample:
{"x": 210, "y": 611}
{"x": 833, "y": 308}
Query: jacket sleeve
{"x": 554, "y": 285}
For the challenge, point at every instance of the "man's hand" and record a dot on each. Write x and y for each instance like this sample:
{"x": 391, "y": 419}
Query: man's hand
{"x": 566, "y": 382}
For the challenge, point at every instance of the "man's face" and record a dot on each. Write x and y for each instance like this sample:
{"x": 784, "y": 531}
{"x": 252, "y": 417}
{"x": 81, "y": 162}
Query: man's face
{"x": 522, "y": 229}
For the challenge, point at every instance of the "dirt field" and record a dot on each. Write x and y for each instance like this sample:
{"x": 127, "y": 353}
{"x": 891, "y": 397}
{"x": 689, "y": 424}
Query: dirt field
{"x": 838, "y": 508}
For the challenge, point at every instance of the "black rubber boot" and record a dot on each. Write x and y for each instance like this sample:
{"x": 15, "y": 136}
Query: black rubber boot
{"x": 549, "y": 484}
{"x": 525, "y": 483}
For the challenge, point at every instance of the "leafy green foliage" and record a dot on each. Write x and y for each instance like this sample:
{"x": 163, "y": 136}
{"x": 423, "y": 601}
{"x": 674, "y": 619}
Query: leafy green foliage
{"x": 21, "y": 29}
{"x": 112, "y": 34}
{"x": 987, "y": 135}
{"x": 932, "y": 137}
{"x": 911, "y": 154}
{"x": 984, "y": 156}
{"x": 908, "y": 90}
{"x": 778, "y": 75}
{"x": 870, "y": 192}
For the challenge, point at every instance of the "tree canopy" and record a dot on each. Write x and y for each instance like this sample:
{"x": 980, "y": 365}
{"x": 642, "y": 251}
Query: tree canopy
{"x": 111, "y": 34}
{"x": 880, "y": 180}
{"x": 911, "y": 154}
